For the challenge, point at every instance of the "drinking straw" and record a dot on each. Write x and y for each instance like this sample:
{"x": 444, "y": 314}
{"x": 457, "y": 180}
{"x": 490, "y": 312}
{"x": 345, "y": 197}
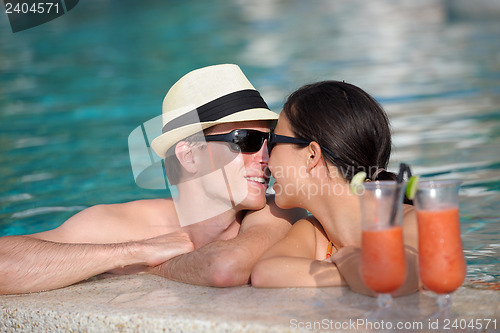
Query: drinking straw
{"x": 403, "y": 167}
{"x": 408, "y": 170}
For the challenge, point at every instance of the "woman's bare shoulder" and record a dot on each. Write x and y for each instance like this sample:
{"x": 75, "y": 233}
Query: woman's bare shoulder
{"x": 317, "y": 233}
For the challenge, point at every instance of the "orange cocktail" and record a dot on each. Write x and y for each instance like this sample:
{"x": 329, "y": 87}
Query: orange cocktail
{"x": 442, "y": 265}
{"x": 441, "y": 260}
{"x": 383, "y": 265}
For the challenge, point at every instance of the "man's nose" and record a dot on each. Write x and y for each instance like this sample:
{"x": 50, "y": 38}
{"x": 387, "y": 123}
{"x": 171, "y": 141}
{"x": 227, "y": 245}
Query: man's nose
{"x": 263, "y": 154}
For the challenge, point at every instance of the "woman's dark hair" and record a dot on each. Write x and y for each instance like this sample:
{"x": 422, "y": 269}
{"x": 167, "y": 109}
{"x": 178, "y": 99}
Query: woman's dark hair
{"x": 345, "y": 120}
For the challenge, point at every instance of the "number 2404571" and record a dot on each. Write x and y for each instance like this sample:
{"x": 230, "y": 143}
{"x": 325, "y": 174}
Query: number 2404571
{"x": 35, "y": 8}
{"x": 454, "y": 324}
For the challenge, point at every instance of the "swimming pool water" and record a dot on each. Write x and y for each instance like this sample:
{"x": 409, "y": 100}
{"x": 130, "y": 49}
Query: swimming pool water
{"x": 72, "y": 90}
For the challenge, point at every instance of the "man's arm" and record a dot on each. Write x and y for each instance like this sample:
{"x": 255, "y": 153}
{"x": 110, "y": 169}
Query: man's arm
{"x": 230, "y": 262}
{"x": 60, "y": 257}
{"x": 28, "y": 264}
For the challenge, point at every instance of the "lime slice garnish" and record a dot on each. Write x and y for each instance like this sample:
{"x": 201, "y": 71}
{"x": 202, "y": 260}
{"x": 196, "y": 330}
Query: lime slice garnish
{"x": 357, "y": 180}
{"x": 411, "y": 188}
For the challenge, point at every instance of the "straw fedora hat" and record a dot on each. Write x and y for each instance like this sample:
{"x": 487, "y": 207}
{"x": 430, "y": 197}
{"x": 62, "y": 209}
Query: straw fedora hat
{"x": 206, "y": 97}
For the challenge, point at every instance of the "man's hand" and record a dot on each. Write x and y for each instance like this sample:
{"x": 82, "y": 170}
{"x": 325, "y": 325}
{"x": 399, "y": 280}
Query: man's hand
{"x": 157, "y": 250}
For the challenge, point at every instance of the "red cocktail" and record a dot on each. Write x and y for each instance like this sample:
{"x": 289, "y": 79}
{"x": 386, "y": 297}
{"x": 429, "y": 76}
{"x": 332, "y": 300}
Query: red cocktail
{"x": 442, "y": 266}
{"x": 383, "y": 264}
{"x": 441, "y": 261}
{"x": 383, "y": 259}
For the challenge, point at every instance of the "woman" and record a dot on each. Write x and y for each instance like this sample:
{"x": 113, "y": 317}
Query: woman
{"x": 327, "y": 132}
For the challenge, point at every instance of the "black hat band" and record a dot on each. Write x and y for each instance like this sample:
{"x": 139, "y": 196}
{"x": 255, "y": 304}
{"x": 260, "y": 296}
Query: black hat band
{"x": 219, "y": 108}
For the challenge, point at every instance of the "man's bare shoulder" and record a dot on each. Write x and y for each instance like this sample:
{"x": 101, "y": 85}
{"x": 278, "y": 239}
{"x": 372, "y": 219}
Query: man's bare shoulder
{"x": 115, "y": 223}
{"x": 141, "y": 207}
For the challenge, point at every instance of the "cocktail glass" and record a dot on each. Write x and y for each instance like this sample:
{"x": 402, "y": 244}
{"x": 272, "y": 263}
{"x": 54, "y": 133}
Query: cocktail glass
{"x": 383, "y": 263}
{"x": 442, "y": 266}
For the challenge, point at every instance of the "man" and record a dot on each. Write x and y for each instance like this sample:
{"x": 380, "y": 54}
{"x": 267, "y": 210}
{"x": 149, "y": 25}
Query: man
{"x": 212, "y": 233}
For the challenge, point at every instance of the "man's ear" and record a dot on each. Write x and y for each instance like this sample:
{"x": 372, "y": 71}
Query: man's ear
{"x": 315, "y": 157}
{"x": 184, "y": 153}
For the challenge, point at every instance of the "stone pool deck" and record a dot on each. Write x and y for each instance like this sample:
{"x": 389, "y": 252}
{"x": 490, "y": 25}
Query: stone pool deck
{"x": 146, "y": 303}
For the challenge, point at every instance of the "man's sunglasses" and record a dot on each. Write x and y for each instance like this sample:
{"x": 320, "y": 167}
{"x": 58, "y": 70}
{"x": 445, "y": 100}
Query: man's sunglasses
{"x": 241, "y": 140}
{"x": 251, "y": 141}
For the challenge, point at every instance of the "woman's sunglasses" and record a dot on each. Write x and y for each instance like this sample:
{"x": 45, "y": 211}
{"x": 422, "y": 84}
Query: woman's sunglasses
{"x": 251, "y": 141}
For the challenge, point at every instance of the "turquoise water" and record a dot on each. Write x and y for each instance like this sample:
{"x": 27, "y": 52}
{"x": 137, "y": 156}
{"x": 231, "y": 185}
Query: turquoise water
{"x": 72, "y": 90}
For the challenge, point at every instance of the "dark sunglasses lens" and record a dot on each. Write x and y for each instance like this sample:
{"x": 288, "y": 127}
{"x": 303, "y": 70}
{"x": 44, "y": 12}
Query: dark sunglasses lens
{"x": 235, "y": 147}
{"x": 250, "y": 141}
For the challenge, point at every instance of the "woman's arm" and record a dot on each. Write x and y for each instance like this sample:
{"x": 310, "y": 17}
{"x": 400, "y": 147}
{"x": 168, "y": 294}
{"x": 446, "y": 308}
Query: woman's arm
{"x": 292, "y": 262}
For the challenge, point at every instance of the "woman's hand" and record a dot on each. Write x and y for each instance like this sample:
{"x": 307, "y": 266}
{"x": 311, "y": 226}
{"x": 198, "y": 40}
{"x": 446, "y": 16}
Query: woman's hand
{"x": 348, "y": 261}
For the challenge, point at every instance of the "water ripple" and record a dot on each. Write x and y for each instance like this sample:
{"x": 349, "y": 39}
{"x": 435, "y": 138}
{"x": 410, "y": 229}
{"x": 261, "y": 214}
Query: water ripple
{"x": 16, "y": 197}
{"x": 46, "y": 210}
{"x": 36, "y": 177}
